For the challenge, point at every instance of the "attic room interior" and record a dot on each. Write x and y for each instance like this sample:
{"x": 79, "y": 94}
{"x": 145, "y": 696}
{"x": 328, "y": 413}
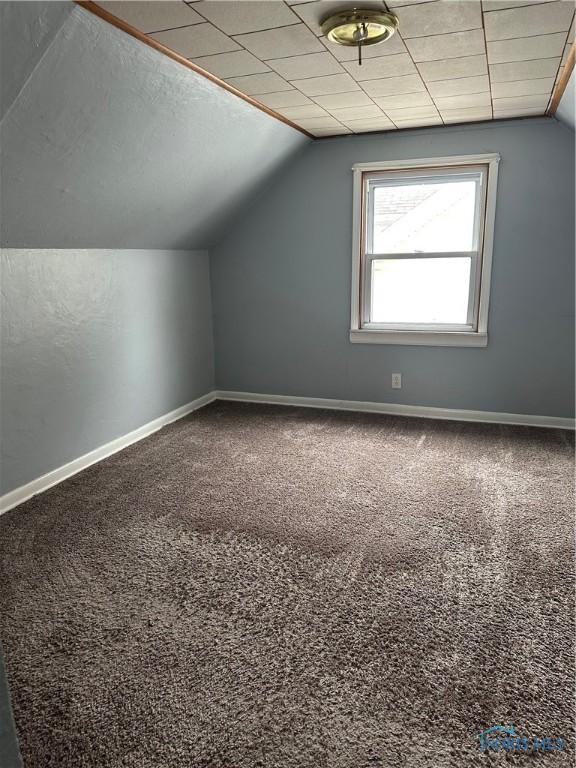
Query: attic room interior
{"x": 287, "y": 383}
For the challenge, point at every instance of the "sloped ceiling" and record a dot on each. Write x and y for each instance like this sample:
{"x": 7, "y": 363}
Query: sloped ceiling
{"x": 566, "y": 111}
{"x": 110, "y": 144}
{"x": 27, "y": 31}
{"x": 451, "y": 61}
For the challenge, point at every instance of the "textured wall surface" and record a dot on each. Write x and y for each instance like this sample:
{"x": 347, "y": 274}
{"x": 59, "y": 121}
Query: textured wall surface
{"x": 94, "y": 345}
{"x": 111, "y": 144}
{"x": 566, "y": 111}
{"x": 26, "y": 31}
{"x": 281, "y": 281}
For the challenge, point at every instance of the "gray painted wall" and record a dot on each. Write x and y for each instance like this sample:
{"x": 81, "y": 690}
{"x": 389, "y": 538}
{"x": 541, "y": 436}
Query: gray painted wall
{"x": 281, "y": 281}
{"x": 94, "y": 345}
{"x": 566, "y": 111}
{"x": 111, "y": 144}
{"x": 26, "y": 31}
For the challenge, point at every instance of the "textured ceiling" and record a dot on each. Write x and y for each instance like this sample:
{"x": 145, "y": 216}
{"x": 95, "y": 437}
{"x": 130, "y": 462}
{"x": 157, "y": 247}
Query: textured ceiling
{"x": 452, "y": 61}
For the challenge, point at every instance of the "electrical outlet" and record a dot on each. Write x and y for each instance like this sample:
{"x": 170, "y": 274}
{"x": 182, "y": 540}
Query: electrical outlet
{"x": 396, "y": 381}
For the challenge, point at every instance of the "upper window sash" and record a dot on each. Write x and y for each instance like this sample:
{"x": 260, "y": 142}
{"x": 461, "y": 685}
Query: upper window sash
{"x": 396, "y": 178}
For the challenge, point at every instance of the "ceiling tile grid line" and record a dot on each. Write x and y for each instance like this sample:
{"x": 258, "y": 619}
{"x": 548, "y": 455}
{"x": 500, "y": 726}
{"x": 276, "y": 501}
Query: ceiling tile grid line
{"x": 483, "y": 15}
{"x": 414, "y": 110}
{"x": 450, "y": 59}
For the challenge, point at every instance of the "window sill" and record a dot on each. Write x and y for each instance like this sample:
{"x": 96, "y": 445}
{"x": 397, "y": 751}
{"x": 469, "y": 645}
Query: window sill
{"x": 422, "y": 338}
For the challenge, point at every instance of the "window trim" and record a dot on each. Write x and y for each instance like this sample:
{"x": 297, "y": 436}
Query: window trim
{"x": 361, "y": 332}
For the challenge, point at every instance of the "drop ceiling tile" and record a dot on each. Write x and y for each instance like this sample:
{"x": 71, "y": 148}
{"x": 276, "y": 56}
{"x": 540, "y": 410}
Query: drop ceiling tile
{"x": 451, "y": 111}
{"x": 319, "y": 122}
{"x": 463, "y": 115}
{"x": 341, "y": 100}
{"x": 439, "y": 18}
{"x": 467, "y": 100}
{"x": 372, "y": 124}
{"x": 523, "y": 88}
{"x": 357, "y": 113}
{"x": 280, "y": 43}
{"x": 500, "y": 114}
{"x": 470, "y": 117}
{"x": 235, "y": 18}
{"x": 396, "y": 3}
{"x": 391, "y": 86}
{"x": 451, "y": 46}
{"x": 412, "y": 113}
{"x": 461, "y": 85}
{"x": 341, "y": 131}
{"x": 320, "y": 86}
{"x": 572, "y": 31}
{"x": 521, "y": 102}
{"x": 419, "y": 123}
{"x": 306, "y": 111}
{"x": 253, "y": 85}
{"x": 527, "y": 48}
{"x": 405, "y": 100}
{"x": 291, "y": 98}
{"x": 199, "y": 40}
{"x": 309, "y": 65}
{"x": 384, "y": 66}
{"x": 498, "y": 5}
{"x": 446, "y": 69}
{"x": 528, "y": 20}
{"x": 314, "y": 13}
{"x": 232, "y": 64}
{"x": 348, "y": 53}
{"x": 153, "y": 16}
{"x": 524, "y": 70}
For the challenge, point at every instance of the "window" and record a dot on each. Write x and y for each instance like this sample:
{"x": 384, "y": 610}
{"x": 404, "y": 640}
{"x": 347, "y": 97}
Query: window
{"x": 422, "y": 251}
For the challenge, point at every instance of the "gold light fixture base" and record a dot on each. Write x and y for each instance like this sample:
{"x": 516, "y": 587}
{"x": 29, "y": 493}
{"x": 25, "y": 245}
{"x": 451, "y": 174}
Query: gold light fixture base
{"x": 359, "y": 27}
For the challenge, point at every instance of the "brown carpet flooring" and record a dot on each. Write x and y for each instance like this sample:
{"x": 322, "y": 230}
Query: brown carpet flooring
{"x": 295, "y": 588}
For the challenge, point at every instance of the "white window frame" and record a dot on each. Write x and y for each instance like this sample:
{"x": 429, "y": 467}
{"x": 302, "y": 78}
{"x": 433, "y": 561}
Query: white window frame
{"x": 475, "y": 332}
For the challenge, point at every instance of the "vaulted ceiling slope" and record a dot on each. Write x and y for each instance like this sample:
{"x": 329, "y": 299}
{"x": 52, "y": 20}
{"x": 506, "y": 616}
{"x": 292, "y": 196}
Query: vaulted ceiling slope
{"x": 27, "y": 29}
{"x": 110, "y": 144}
{"x": 566, "y": 111}
{"x": 451, "y": 61}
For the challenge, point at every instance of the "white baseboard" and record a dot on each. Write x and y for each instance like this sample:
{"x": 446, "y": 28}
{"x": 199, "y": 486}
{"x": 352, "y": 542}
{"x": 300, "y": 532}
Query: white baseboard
{"x": 395, "y": 409}
{"x": 25, "y": 492}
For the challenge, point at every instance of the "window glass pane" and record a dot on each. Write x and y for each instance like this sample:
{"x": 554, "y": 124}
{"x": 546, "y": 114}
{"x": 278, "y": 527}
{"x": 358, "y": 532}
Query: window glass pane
{"x": 425, "y": 216}
{"x": 420, "y": 290}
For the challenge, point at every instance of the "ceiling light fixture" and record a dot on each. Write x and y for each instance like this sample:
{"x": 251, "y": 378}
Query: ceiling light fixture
{"x": 360, "y": 26}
